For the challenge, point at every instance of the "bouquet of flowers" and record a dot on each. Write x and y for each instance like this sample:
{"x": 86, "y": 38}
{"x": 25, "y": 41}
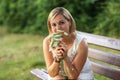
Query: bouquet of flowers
{"x": 55, "y": 40}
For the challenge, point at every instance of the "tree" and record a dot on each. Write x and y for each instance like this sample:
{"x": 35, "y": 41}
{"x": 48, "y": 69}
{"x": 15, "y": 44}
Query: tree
{"x": 108, "y": 22}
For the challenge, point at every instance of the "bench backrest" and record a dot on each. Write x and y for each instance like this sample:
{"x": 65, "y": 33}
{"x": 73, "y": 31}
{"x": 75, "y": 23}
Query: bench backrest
{"x": 106, "y": 63}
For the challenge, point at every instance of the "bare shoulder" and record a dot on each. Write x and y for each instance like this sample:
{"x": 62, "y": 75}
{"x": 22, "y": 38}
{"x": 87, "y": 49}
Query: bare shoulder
{"x": 46, "y": 40}
{"x": 46, "y": 43}
{"x": 83, "y": 45}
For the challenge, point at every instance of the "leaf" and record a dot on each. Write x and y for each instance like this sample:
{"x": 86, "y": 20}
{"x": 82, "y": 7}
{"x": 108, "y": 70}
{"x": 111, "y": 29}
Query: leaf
{"x": 56, "y": 38}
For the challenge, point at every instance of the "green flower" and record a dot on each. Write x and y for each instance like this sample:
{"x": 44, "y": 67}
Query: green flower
{"x": 56, "y": 38}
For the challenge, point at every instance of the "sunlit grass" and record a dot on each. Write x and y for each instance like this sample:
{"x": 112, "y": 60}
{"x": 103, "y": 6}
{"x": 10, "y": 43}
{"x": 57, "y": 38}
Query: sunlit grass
{"x": 20, "y": 53}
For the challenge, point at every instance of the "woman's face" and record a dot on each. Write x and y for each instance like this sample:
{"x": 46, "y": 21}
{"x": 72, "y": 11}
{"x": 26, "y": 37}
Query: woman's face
{"x": 60, "y": 23}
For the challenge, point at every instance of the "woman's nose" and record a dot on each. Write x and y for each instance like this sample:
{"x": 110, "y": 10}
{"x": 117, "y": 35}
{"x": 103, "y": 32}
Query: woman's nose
{"x": 58, "y": 27}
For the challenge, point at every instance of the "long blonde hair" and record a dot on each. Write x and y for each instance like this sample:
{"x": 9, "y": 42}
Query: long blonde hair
{"x": 65, "y": 13}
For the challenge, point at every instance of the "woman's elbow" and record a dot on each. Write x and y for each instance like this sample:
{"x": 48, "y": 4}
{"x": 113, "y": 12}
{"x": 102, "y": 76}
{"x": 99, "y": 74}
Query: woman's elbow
{"x": 52, "y": 74}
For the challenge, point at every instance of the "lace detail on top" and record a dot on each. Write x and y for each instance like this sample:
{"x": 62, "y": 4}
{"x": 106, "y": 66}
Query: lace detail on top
{"x": 73, "y": 50}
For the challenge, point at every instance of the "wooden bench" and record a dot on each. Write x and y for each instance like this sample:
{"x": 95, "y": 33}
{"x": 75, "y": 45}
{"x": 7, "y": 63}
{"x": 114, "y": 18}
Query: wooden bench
{"x": 105, "y": 61}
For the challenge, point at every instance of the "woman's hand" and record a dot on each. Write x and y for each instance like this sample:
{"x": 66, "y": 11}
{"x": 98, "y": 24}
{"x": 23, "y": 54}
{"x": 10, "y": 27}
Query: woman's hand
{"x": 61, "y": 50}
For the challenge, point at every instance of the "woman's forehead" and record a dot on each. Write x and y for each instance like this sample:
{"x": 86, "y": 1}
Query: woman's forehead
{"x": 58, "y": 18}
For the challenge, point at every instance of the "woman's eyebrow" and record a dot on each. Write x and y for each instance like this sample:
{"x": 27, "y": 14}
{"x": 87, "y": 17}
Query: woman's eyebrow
{"x": 61, "y": 20}
{"x": 58, "y": 21}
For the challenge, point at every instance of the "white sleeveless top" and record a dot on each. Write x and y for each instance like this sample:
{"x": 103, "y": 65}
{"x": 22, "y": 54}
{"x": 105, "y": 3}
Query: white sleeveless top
{"x": 86, "y": 73}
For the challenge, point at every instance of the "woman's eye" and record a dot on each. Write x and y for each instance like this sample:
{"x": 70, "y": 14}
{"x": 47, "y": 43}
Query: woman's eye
{"x": 61, "y": 22}
{"x": 53, "y": 25}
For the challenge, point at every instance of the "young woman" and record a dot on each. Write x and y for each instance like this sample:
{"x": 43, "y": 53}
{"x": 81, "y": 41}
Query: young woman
{"x": 72, "y": 49}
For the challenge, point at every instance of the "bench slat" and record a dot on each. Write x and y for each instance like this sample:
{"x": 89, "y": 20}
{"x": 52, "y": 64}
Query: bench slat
{"x": 102, "y": 41}
{"x": 110, "y": 58}
{"x": 40, "y": 74}
{"x": 106, "y": 71}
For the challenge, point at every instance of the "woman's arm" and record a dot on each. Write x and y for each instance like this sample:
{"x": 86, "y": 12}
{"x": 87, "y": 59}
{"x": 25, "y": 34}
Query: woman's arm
{"x": 52, "y": 66}
{"x": 74, "y": 68}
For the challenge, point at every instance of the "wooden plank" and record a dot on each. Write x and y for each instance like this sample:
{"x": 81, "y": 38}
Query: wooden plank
{"x": 108, "y": 57}
{"x": 40, "y": 74}
{"x": 102, "y": 41}
{"x": 106, "y": 71}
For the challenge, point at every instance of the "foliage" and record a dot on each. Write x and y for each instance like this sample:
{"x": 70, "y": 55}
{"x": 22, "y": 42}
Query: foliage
{"x": 23, "y": 15}
{"x": 108, "y": 22}
{"x": 30, "y": 16}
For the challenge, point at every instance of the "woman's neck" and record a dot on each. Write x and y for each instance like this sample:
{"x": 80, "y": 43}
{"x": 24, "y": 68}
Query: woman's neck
{"x": 70, "y": 38}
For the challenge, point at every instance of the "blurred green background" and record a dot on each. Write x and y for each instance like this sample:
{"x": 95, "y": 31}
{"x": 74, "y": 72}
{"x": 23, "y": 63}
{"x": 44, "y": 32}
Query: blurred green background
{"x": 23, "y": 25}
{"x": 94, "y": 16}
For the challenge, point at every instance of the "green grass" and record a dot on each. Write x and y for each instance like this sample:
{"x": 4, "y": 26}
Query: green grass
{"x": 19, "y": 54}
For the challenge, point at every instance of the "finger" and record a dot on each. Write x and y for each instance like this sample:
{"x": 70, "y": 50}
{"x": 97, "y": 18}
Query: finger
{"x": 59, "y": 55}
{"x": 61, "y": 51}
{"x": 61, "y": 48}
{"x": 58, "y": 48}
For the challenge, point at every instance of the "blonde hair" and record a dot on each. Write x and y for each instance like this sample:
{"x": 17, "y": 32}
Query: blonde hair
{"x": 65, "y": 13}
